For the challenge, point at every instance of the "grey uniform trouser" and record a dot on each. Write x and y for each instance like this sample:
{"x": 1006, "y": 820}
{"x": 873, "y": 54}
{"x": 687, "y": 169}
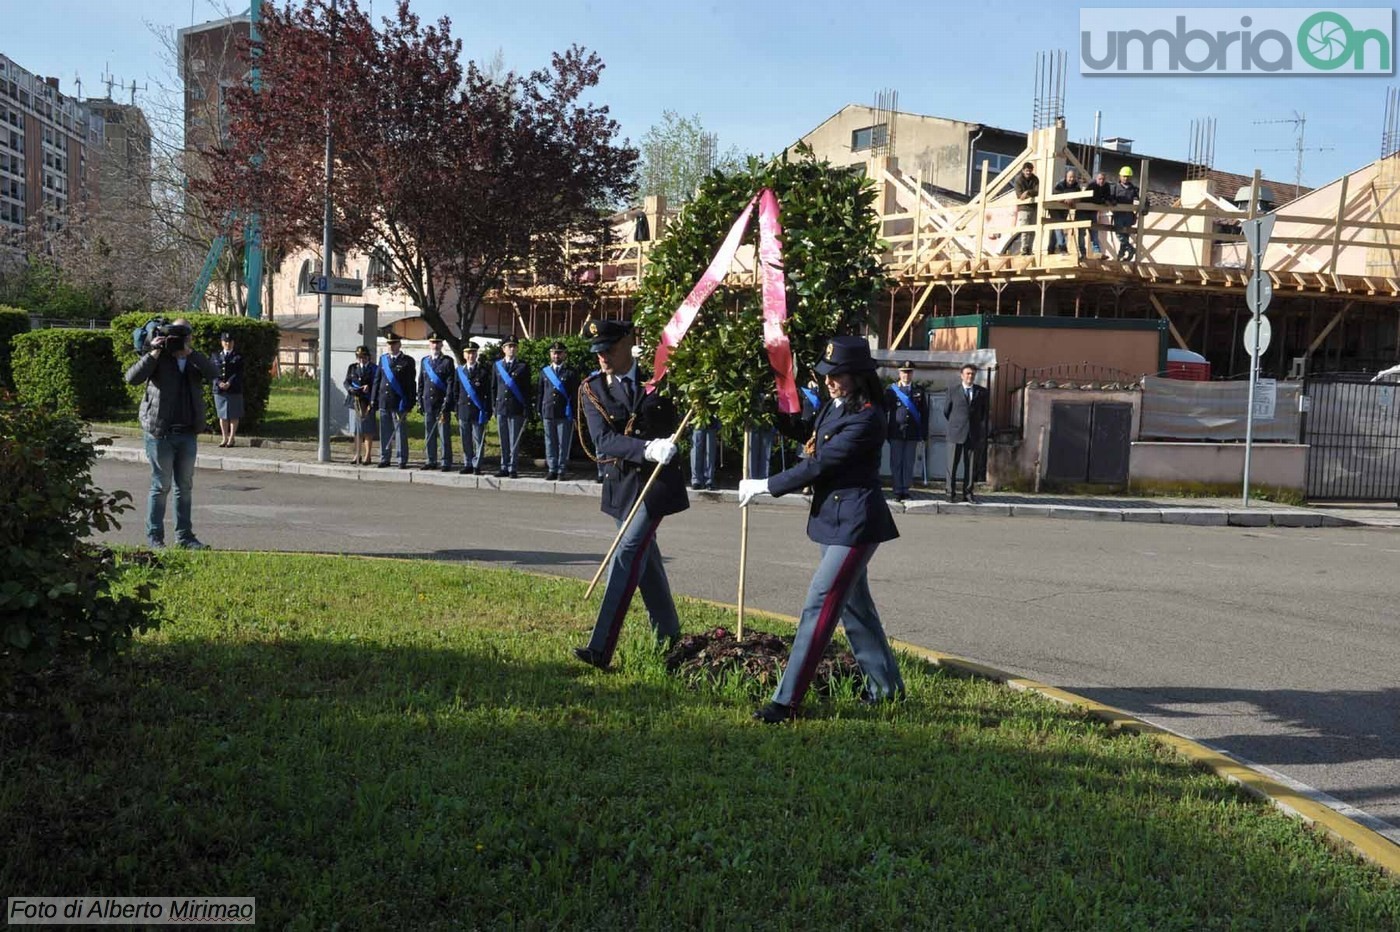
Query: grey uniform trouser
{"x": 393, "y": 433}
{"x": 473, "y": 437}
{"x": 635, "y": 564}
{"x": 558, "y": 434}
{"x": 902, "y": 464}
{"x": 840, "y": 591}
{"x": 438, "y": 435}
{"x": 509, "y": 429}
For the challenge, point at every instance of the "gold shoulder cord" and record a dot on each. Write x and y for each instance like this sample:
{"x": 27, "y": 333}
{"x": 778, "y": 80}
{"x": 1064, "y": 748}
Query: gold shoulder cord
{"x": 584, "y": 390}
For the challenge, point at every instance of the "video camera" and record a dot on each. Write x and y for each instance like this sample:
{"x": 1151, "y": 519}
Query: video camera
{"x": 173, "y": 337}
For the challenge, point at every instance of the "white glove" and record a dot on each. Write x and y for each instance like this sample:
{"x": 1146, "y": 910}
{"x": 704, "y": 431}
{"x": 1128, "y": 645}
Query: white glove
{"x": 660, "y": 450}
{"x": 751, "y": 488}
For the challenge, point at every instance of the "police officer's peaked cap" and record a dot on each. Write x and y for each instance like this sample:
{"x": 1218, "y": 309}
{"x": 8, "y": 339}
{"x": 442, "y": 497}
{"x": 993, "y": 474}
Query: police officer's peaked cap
{"x": 471, "y": 346}
{"x": 846, "y": 354}
{"x": 434, "y": 338}
{"x": 226, "y": 337}
{"x": 559, "y": 345}
{"x": 510, "y": 341}
{"x": 604, "y": 333}
{"x": 362, "y": 351}
{"x": 906, "y": 366}
{"x": 392, "y": 338}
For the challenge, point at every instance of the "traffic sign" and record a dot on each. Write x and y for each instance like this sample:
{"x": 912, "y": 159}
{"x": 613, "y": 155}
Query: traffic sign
{"x": 1265, "y": 332}
{"x": 1258, "y": 293}
{"x": 1257, "y": 232}
{"x": 352, "y": 287}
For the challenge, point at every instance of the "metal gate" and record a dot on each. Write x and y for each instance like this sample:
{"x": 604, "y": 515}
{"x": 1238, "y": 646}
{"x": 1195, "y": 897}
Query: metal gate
{"x": 1089, "y": 442}
{"x": 1352, "y": 430}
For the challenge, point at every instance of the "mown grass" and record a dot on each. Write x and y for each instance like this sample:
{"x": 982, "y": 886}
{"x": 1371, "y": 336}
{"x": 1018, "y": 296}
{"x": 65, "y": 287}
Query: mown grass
{"x": 372, "y": 744}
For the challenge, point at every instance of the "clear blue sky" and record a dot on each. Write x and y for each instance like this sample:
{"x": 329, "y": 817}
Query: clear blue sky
{"x": 762, "y": 74}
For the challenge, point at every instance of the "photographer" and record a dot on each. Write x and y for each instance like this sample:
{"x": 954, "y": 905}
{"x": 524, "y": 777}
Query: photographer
{"x": 172, "y": 416}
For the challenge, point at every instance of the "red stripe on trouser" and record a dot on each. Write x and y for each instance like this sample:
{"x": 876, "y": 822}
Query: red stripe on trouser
{"x": 615, "y": 627}
{"x": 832, "y": 605}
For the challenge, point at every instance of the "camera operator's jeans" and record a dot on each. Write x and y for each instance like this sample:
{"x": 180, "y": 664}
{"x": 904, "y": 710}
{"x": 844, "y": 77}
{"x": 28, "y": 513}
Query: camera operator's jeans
{"x": 172, "y": 461}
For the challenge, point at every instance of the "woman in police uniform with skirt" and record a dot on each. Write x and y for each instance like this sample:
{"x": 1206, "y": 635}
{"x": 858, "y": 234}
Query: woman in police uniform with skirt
{"x": 849, "y": 519}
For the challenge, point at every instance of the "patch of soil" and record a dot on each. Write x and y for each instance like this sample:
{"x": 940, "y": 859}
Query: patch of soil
{"x": 760, "y": 657}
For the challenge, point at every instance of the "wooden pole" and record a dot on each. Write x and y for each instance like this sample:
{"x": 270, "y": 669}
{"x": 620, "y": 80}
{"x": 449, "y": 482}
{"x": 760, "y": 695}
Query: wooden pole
{"x": 675, "y": 438}
{"x": 743, "y": 541}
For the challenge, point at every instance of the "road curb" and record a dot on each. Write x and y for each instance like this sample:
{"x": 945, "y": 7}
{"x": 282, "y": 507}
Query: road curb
{"x": 1198, "y": 517}
{"x": 1364, "y": 841}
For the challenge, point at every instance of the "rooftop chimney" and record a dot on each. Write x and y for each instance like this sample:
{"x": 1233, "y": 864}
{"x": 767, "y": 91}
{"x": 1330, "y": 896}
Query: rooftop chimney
{"x": 52, "y": 82}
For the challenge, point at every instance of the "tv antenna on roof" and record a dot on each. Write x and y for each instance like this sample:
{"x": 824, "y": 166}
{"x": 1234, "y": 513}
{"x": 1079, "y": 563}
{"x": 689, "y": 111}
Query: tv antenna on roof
{"x": 134, "y": 89}
{"x": 1299, "y": 121}
{"x": 107, "y": 79}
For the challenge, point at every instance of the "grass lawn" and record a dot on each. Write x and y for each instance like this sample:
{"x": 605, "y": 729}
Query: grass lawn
{"x": 407, "y": 745}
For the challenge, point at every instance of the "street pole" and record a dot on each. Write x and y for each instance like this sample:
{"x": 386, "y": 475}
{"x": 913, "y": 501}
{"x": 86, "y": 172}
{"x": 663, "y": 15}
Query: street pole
{"x": 323, "y": 432}
{"x": 1253, "y": 387}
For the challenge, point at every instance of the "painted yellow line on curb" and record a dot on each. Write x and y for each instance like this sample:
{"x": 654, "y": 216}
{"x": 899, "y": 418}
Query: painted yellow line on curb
{"x": 1371, "y": 845}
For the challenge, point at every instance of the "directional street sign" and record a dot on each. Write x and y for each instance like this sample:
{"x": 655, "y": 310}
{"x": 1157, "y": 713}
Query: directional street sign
{"x": 1265, "y": 332}
{"x": 352, "y": 287}
{"x": 1258, "y": 293}
{"x": 1257, "y": 232}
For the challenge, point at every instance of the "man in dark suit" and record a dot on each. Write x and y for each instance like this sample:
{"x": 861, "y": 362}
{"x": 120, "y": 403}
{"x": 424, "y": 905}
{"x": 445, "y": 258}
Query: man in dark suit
{"x": 394, "y": 392}
{"x": 631, "y": 430}
{"x": 966, "y": 412}
{"x": 471, "y": 391}
{"x": 558, "y": 387}
{"x": 435, "y": 401}
{"x": 510, "y": 392}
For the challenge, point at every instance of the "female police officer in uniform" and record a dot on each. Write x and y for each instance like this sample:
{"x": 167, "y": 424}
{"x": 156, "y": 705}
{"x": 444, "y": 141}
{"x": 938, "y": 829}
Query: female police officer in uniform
{"x": 849, "y": 519}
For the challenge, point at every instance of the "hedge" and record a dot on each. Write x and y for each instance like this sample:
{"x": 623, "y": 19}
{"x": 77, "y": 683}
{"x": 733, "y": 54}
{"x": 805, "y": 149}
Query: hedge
{"x": 257, "y": 340}
{"x": 13, "y": 321}
{"x": 70, "y": 370}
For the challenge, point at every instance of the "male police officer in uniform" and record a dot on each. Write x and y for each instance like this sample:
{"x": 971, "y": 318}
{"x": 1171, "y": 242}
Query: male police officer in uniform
{"x": 471, "y": 389}
{"x": 394, "y": 397}
{"x": 906, "y": 406}
{"x": 557, "y": 390}
{"x": 510, "y": 392}
{"x": 435, "y": 401}
{"x": 630, "y": 429}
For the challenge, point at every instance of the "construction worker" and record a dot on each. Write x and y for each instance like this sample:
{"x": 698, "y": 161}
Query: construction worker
{"x": 1125, "y": 192}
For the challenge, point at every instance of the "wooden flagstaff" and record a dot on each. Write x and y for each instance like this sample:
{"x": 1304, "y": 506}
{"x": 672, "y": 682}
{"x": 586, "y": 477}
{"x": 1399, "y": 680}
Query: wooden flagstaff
{"x": 743, "y": 541}
{"x": 675, "y": 438}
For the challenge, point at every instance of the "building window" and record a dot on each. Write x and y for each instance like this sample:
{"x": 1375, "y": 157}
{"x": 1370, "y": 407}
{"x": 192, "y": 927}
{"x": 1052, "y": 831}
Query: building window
{"x": 869, "y": 137}
{"x": 996, "y": 164}
{"x": 380, "y": 272}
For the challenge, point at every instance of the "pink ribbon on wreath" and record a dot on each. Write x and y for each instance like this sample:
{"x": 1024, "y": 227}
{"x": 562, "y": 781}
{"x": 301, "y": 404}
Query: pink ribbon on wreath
{"x": 775, "y": 341}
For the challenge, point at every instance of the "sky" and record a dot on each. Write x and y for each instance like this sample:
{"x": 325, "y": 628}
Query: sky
{"x": 762, "y": 74}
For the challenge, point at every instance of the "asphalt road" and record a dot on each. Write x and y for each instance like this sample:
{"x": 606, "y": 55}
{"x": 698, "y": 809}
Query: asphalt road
{"x": 1279, "y": 646}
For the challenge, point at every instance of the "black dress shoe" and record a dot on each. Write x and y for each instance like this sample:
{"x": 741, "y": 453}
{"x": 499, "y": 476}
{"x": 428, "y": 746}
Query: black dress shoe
{"x": 551, "y": 476}
{"x": 970, "y": 498}
{"x": 591, "y": 657}
{"x": 381, "y": 465}
{"x": 477, "y": 470}
{"x": 427, "y": 466}
{"x": 464, "y": 470}
{"x": 598, "y": 479}
{"x": 502, "y": 473}
{"x": 448, "y": 468}
{"x": 514, "y": 474}
{"x": 405, "y": 466}
{"x": 775, "y": 713}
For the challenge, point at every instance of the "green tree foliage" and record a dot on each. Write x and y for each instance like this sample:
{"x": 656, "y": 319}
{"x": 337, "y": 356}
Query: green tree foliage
{"x": 73, "y": 371}
{"x": 13, "y": 321}
{"x": 257, "y": 340}
{"x": 42, "y": 289}
{"x": 59, "y": 596}
{"x": 830, "y": 255}
{"x": 676, "y": 156}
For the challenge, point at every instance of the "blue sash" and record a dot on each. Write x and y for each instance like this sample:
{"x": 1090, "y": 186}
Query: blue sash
{"x": 388, "y": 374}
{"x": 553, "y": 377}
{"x": 432, "y": 375}
{"x": 510, "y": 383}
{"x": 482, "y": 415}
{"x": 813, "y": 399}
{"x": 908, "y": 402}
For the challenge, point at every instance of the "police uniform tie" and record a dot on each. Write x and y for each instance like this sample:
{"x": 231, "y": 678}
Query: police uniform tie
{"x": 627, "y": 390}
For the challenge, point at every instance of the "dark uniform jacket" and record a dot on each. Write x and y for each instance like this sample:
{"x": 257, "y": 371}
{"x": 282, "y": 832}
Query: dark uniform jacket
{"x": 843, "y": 469}
{"x": 433, "y": 401}
{"x": 504, "y": 401}
{"x": 398, "y": 393}
{"x": 902, "y": 425}
{"x": 550, "y": 402}
{"x": 479, "y": 375}
{"x": 620, "y": 433}
{"x": 965, "y": 419}
{"x": 359, "y": 385}
{"x": 228, "y": 367}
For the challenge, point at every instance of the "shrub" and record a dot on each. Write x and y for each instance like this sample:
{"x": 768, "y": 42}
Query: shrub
{"x": 73, "y": 371}
{"x": 255, "y": 339}
{"x": 58, "y": 594}
{"x": 13, "y": 322}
